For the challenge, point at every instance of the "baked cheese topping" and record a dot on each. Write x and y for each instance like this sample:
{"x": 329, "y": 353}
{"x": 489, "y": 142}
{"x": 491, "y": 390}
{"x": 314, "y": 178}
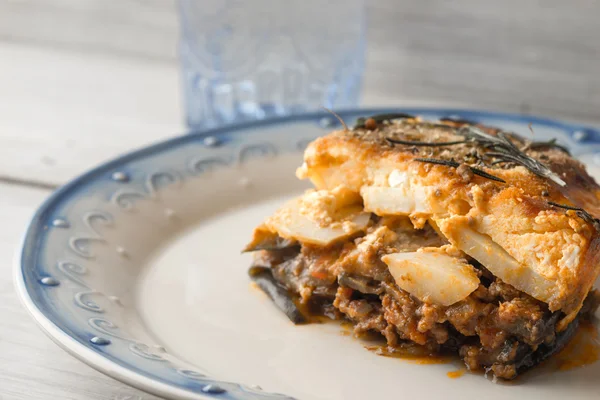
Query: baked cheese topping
{"x": 447, "y": 235}
{"x": 544, "y": 249}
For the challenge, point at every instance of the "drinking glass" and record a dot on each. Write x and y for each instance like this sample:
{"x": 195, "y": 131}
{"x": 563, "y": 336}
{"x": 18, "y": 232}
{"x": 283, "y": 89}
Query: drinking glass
{"x": 255, "y": 59}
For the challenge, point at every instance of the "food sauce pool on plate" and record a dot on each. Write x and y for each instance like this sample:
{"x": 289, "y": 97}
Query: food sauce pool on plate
{"x": 347, "y": 328}
{"x": 456, "y": 374}
{"x": 412, "y": 353}
{"x": 582, "y": 350}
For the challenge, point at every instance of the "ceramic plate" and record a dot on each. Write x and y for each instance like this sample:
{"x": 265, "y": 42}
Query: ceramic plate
{"x": 135, "y": 268}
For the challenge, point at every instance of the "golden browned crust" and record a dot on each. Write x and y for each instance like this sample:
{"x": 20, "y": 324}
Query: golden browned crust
{"x": 559, "y": 248}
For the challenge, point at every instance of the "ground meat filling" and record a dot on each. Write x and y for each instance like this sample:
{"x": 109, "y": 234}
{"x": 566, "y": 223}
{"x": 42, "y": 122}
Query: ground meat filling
{"x": 497, "y": 328}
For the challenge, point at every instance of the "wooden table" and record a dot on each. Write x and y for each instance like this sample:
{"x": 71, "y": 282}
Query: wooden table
{"x": 82, "y": 81}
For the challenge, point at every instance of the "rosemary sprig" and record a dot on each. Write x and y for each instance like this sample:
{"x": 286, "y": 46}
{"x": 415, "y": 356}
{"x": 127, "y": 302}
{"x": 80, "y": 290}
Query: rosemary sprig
{"x": 424, "y": 144}
{"x": 565, "y": 206}
{"x": 391, "y": 116}
{"x": 454, "y": 164}
{"x": 502, "y": 149}
{"x": 458, "y": 121}
{"x": 360, "y": 122}
{"x": 505, "y": 150}
{"x": 337, "y": 117}
{"x": 531, "y": 146}
{"x": 447, "y": 163}
{"x": 499, "y": 162}
{"x": 550, "y": 143}
{"x": 484, "y": 174}
{"x": 581, "y": 213}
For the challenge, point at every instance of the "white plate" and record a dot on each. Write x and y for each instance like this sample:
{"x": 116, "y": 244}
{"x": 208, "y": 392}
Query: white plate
{"x": 135, "y": 268}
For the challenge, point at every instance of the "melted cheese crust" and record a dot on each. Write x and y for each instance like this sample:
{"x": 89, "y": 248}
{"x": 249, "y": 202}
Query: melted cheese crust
{"x": 556, "y": 253}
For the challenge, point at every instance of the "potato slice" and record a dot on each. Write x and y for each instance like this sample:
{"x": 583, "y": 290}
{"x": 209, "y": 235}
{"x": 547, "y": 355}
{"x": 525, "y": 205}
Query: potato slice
{"x": 320, "y": 217}
{"x": 387, "y": 201}
{"x": 497, "y": 260}
{"x": 399, "y": 194}
{"x": 432, "y": 276}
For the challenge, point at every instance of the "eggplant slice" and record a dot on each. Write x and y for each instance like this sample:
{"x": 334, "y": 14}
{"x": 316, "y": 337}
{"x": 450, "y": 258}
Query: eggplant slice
{"x": 263, "y": 277}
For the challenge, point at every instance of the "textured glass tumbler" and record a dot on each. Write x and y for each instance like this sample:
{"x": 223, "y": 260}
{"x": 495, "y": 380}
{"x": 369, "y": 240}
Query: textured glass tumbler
{"x": 245, "y": 60}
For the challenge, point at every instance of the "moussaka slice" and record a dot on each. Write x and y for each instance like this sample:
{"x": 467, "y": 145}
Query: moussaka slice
{"x": 458, "y": 237}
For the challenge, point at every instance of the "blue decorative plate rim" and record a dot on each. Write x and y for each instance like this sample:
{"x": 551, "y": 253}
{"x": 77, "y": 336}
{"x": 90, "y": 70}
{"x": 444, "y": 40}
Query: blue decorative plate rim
{"x": 27, "y": 263}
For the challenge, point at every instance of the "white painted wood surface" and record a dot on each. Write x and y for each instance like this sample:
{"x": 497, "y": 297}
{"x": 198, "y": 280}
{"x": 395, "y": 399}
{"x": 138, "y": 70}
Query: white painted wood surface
{"x": 82, "y": 81}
